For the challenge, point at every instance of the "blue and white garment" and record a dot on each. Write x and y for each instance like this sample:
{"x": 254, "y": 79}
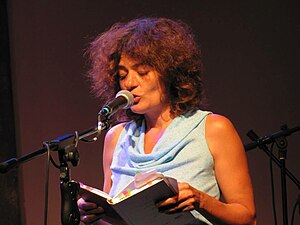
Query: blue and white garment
{"x": 181, "y": 152}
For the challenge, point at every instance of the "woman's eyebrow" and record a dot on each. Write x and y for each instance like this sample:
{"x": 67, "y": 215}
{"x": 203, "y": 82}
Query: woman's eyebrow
{"x": 137, "y": 65}
{"x": 134, "y": 66}
{"x": 121, "y": 67}
{"x": 141, "y": 66}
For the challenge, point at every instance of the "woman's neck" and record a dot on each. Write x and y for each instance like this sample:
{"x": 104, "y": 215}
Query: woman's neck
{"x": 158, "y": 120}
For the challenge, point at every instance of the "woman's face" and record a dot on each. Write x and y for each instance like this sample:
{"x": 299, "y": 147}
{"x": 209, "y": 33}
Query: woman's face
{"x": 144, "y": 83}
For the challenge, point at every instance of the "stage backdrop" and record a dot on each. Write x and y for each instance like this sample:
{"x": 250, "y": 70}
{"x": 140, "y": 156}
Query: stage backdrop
{"x": 251, "y": 56}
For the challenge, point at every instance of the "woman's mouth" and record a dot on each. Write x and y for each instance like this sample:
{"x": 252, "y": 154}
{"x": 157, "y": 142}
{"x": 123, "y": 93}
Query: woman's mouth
{"x": 136, "y": 99}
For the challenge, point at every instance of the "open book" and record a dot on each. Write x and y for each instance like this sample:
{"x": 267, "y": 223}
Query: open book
{"x": 136, "y": 203}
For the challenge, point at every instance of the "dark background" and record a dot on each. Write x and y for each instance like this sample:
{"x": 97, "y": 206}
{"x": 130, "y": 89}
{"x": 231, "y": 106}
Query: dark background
{"x": 251, "y": 56}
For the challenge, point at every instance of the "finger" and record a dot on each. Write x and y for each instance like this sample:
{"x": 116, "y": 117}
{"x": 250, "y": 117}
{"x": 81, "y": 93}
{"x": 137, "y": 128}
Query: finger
{"x": 177, "y": 210}
{"x": 179, "y": 207}
{"x": 87, "y": 205}
{"x": 188, "y": 208}
{"x": 168, "y": 201}
{"x": 98, "y": 210}
{"x": 183, "y": 185}
{"x": 184, "y": 206}
{"x": 89, "y": 218}
{"x": 166, "y": 208}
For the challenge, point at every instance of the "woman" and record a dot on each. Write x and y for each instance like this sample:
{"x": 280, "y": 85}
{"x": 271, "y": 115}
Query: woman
{"x": 159, "y": 62}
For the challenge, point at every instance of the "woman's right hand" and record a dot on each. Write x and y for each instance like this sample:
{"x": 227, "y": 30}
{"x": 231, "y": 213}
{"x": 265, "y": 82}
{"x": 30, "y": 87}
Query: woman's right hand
{"x": 89, "y": 211}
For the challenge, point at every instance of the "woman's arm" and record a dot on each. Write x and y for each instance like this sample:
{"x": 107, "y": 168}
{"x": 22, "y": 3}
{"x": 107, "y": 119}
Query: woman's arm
{"x": 232, "y": 174}
{"x": 110, "y": 143}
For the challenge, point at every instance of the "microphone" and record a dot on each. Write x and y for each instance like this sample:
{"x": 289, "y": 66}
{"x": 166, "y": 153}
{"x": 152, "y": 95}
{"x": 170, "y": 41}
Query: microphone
{"x": 123, "y": 100}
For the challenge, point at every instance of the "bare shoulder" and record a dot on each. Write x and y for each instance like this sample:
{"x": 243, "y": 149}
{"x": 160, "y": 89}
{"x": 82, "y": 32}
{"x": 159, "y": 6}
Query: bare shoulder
{"x": 218, "y": 124}
{"x": 114, "y": 133}
{"x": 110, "y": 142}
{"x": 220, "y": 133}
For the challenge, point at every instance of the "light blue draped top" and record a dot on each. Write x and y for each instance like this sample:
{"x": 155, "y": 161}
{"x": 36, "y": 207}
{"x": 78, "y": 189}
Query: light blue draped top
{"x": 181, "y": 152}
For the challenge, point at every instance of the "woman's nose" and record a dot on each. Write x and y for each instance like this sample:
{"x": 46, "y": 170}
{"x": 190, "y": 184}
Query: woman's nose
{"x": 131, "y": 81}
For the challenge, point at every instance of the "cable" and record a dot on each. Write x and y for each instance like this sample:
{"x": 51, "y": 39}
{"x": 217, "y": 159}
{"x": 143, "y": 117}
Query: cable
{"x": 54, "y": 163}
{"x": 272, "y": 185}
{"x": 47, "y": 182}
{"x": 294, "y": 209}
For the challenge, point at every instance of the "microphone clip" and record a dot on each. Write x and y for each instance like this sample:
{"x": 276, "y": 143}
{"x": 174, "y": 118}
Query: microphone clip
{"x": 103, "y": 122}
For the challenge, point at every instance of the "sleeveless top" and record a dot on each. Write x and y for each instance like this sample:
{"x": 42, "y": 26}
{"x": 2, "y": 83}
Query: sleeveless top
{"x": 181, "y": 152}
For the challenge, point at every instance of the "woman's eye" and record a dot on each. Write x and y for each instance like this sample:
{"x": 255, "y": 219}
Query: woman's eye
{"x": 122, "y": 76}
{"x": 143, "y": 73}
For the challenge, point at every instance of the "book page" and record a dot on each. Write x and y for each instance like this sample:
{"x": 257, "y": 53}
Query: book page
{"x": 91, "y": 194}
{"x": 140, "y": 182}
{"x": 130, "y": 190}
{"x": 94, "y": 190}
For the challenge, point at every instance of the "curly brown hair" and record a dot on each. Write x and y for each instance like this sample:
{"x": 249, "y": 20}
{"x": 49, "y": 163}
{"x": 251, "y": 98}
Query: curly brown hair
{"x": 166, "y": 45}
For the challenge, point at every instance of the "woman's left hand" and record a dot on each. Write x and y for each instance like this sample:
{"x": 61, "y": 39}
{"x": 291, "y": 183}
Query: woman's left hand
{"x": 187, "y": 199}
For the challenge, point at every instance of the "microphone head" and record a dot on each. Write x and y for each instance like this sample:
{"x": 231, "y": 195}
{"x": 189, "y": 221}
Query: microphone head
{"x": 123, "y": 100}
{"x": 128, "y": 96}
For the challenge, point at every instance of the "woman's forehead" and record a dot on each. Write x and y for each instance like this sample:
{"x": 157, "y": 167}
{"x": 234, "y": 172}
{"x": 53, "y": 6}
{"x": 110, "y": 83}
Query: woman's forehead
{"x": 126, "y": 61}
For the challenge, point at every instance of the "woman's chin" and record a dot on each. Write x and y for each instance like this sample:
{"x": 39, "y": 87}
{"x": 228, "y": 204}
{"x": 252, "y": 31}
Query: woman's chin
{"x": 136, "y": 109}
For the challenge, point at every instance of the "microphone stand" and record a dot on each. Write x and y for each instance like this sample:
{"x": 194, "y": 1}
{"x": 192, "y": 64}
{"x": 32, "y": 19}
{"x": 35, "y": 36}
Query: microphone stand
{"x": 281, "y": 142}
{"x": 66, "y": 146}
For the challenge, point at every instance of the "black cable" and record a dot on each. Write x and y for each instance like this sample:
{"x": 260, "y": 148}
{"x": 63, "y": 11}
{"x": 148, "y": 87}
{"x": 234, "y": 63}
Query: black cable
{"x": 293, "y": 214}
{"x": 47, "y": 183}
{"x": 54, "y": 163}
{"x": 294, "y": 209}
{"x": 272, "y": 185}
